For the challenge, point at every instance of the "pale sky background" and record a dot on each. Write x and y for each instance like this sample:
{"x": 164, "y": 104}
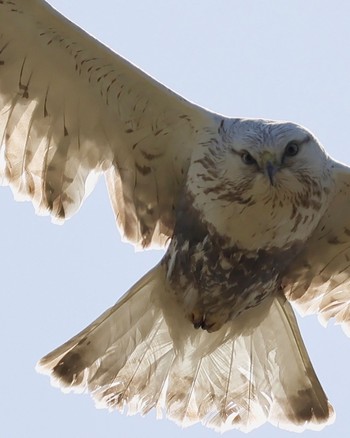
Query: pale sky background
{"x": 263, "y": 58}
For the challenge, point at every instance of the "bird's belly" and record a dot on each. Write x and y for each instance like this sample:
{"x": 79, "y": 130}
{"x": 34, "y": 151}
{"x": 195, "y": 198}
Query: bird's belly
{"x": 212, "y": 306}
{"x": 213, "y": 290}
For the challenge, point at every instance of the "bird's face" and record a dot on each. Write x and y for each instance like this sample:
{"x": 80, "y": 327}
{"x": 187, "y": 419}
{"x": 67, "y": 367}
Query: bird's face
{"x": 266, "y": 178}
{"x": 278, "y": 159}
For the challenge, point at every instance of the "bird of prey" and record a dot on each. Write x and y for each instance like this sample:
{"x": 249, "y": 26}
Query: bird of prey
{"x": 248, "y": 211}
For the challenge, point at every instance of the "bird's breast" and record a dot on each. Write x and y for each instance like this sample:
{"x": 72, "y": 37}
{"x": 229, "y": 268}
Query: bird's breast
{"x": 215, "y": 284}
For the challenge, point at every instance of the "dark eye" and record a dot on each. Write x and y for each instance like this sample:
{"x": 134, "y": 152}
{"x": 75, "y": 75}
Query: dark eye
{"x": 291, "y": 149}
{"x": 247, "y": 158}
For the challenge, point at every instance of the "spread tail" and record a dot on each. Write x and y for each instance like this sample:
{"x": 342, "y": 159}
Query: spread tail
{"x": 142, "y": 353}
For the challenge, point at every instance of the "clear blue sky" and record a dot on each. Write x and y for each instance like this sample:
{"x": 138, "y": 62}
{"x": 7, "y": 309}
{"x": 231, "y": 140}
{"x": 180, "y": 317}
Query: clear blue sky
{"x": 281, "y": 60}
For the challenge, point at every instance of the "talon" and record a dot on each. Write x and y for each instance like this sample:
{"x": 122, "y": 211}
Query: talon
{"x": 212, "y": 323}
{"x": 198, "y": 324}
{"x": 197, "y": 318}
{"x": 205, "y": 322}
{"x": 207, "y": 326}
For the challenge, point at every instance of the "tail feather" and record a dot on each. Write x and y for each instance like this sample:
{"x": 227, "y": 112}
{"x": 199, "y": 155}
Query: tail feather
{"x": 109, "y": 341}
{"x": 143, "y": 354}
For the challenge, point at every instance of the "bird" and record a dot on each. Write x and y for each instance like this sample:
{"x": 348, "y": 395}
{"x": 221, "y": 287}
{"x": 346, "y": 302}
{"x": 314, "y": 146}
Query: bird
{"x": 248, "y": 211}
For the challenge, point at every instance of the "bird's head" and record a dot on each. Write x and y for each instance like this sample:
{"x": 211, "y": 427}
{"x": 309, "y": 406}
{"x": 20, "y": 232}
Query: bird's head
{"x": 275, "y": 157}
{"x": 261, "y": 176}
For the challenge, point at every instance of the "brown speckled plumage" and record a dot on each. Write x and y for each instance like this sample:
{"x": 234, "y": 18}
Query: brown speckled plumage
{"x": 254, "y": 214}
{"x": 214, "y": 281}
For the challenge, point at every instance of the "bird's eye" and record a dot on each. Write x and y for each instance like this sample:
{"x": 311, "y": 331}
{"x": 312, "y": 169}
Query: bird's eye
{"x": 291, "y": 149}
{"x": 247, "y": 158}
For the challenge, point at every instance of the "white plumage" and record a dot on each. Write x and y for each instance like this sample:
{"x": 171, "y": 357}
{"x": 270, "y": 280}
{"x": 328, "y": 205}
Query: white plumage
{"x": 250, "y": 221}
{"x": 142, "y": 353}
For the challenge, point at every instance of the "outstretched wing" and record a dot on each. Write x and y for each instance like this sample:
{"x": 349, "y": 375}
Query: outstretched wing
{"x": 319, "y": 279}
{"x": 70, "y": 109}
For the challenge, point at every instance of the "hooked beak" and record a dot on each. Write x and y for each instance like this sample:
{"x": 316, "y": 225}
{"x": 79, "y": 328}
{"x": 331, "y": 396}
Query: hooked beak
{"x": 270, "y": 166}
